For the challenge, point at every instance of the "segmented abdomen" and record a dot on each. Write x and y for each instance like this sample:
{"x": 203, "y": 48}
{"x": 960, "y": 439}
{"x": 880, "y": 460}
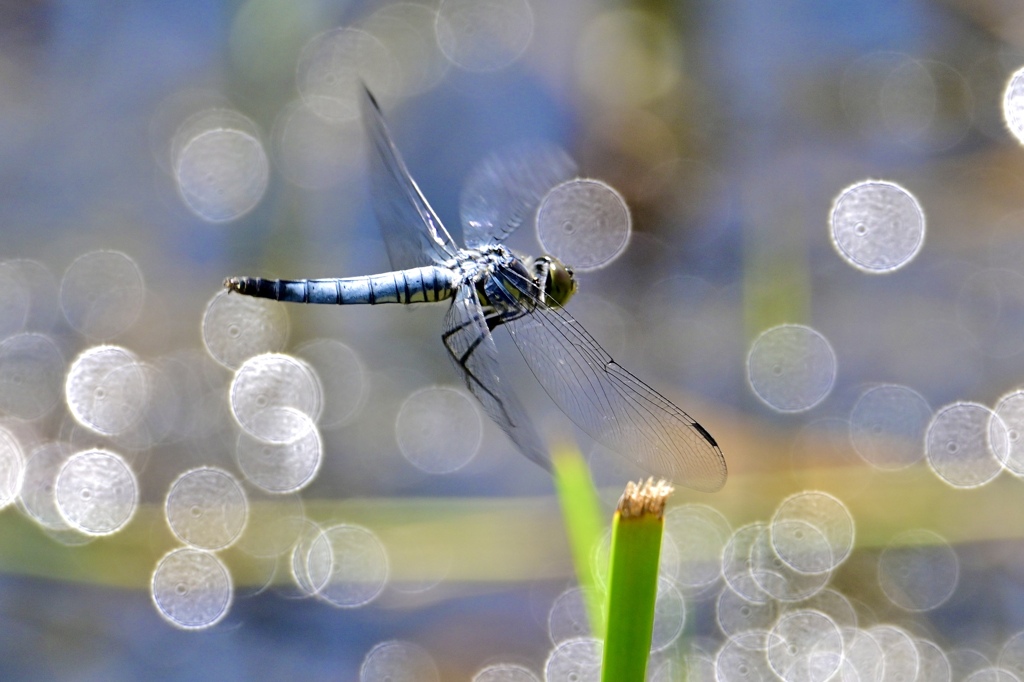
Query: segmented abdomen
{"x": 416, "y": 285}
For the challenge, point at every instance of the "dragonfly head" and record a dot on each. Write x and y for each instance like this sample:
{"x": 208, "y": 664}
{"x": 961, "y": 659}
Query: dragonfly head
{"x": 556, "y": 278}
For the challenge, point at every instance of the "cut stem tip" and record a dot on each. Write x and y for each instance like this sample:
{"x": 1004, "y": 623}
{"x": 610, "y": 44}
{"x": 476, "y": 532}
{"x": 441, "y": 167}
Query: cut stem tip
{"x": 645, "y": 498}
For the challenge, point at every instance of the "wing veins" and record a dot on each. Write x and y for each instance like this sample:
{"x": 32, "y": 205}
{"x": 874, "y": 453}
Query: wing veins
{"x": 609, "y": 402}
{"x": 413, "y": 234}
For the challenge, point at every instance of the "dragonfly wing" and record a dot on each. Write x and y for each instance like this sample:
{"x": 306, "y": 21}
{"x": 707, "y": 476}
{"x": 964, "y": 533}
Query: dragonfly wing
{"x": 472, "y": 350}
{"x": 613, "y": 406}
{"x": 503, "y": 191}
{"x": 413, "y": 234}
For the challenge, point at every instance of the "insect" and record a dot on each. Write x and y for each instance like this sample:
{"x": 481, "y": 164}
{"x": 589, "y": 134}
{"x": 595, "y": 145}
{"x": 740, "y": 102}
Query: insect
{"x": 489, "y": 287}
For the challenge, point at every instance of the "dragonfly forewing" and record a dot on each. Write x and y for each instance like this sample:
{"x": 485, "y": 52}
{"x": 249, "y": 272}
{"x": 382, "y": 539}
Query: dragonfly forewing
{"x": 413, "y": 234}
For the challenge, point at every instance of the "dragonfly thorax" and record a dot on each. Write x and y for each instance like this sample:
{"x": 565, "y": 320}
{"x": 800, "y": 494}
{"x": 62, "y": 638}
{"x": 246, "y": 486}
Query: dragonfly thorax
{"x": 503, "y": 279}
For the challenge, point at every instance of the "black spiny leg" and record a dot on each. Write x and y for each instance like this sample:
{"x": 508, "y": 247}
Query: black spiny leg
{"x": 468, "y": 342}
{"x": 462, "y": 359}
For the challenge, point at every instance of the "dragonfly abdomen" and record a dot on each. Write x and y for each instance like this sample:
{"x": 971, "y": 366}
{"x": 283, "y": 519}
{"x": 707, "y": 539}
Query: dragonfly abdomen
{"x": 416, "y": 285}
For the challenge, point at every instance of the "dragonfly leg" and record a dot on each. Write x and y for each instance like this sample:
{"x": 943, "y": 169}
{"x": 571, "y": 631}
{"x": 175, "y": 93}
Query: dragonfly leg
{"x": 496, "y": 318}
{"x": 464, "y": 358}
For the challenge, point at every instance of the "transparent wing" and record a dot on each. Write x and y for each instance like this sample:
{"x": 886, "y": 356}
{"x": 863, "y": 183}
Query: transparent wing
{"x": 475, "y": 356}
{"x": 413, "y": 234}
{"x": 612, "y": 405}
{"x": 502, "y": 192}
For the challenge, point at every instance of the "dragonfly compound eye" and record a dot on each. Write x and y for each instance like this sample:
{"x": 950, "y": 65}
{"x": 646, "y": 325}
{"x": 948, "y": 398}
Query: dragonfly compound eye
{"x": 560, "y": 284}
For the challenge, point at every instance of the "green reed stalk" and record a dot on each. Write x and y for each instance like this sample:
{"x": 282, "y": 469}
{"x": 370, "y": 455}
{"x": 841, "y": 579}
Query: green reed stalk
{"x": 633, "y": 580}
{"x": 584, "y": 525}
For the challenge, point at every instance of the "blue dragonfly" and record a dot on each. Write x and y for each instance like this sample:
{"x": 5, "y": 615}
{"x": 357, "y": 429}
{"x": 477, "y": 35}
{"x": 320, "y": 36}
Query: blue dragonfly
{"x": 489, "y": 286}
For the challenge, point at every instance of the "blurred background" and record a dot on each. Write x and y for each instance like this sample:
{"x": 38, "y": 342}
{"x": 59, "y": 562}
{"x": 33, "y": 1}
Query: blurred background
{"x": 825, "y": 269}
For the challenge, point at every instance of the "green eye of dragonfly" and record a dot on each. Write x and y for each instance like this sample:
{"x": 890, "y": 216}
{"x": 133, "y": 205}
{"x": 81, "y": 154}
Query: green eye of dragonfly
{"x": 560, "y": 284}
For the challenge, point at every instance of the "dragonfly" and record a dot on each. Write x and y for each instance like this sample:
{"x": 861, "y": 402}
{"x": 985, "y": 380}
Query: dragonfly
{"x": 489, "y": 286}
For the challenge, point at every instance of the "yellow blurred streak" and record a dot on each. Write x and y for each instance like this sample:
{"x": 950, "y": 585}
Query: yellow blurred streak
{"x": 474, "y": 541}
{"x": 776, "y": 283}
{"x": 627, "y": 58}
{"x": 267, "y": 36}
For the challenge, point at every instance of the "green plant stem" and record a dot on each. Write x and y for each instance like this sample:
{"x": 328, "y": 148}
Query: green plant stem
{"x": 584, "y": 526}
{"x": 633, "y": 583}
